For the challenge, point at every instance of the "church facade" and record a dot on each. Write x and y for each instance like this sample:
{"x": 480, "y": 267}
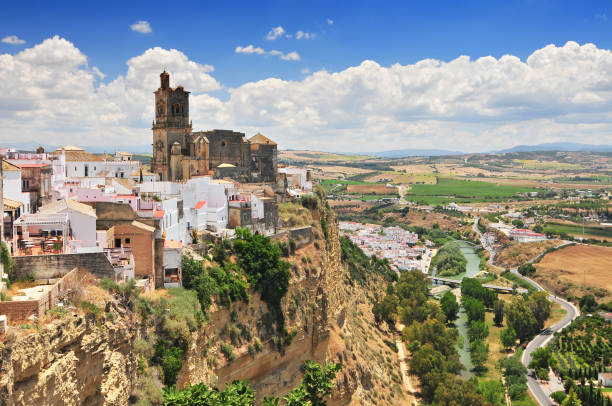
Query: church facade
{"x": 179, "y": 153}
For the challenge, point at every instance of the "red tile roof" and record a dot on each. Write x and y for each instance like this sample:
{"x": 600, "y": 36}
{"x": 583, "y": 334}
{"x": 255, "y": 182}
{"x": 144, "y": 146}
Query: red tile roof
{"x": 200, "y": 205}
{"x": 32, "y": 165}
{"x": 158, "y": 214}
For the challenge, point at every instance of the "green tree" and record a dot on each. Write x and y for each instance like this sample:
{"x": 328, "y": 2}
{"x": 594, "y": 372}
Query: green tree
{"x": 474, "y": 309}
{"x": 572, "y": 399}
{"x": 498, "y": 319}
{"x": 456, "y": 392}
{"x": 492, "y": 392}
{"x": 588, "y": 304}
{"x": 449, "y": 306}
{"x": 520, "y": 317}
{"x": 317, "y": 383}
{"x": 541, "y": 359}
{"x": 386, "y": 310}
{"x": 478, "y": 330}
{"x": 540, "y": 307}
{"x": 479, "y": 352}
{"x": 508, "y": 337}
{"x": 262, "y": 262}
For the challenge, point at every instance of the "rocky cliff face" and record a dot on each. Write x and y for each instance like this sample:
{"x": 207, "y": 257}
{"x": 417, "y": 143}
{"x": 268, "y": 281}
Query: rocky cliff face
{"x": 81, "y": 361}
{"x": 331, "y": 320}
{"x": 76, "y": 361}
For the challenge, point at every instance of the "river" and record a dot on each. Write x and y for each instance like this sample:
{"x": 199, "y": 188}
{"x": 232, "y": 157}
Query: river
{"x": 472, "y": 268}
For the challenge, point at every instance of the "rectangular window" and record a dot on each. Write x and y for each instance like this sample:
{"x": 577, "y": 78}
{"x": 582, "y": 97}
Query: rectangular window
{"x": 127, "y": 240}
{"x": 117, "y": 242}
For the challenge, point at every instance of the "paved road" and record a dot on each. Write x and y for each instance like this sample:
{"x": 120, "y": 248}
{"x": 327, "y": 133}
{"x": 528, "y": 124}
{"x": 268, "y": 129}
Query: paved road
{"x": 545, "y": 336}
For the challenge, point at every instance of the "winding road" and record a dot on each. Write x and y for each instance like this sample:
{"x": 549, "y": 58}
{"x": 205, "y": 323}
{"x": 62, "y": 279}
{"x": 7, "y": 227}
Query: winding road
{"x": 545, "y": 336}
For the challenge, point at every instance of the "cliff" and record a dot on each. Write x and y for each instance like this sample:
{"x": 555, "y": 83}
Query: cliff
{"x": 84, "y": 360}
{"x": 80, "y": 360}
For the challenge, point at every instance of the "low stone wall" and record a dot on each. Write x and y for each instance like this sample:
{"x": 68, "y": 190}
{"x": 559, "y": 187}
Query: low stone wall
{"x": 302, "y": 236}
{"x": 20, "y": 310}
{"x": 56, "y": 266}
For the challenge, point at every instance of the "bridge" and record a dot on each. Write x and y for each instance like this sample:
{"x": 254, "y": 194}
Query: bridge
{"x": 457, "y": 283}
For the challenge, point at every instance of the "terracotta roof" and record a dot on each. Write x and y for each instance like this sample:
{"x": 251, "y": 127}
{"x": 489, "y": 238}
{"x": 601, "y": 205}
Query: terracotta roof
{"x": 7, "y": 166}
{"x": 259, "y": 138}
{"x": 143, "y": 226}
{"x": 128, "y": 183}
{"x": 10, "y": 204}
{"x": 81, "y": 156}
{"x": 32, "y": 165}
{"x": 172, "y": 244}
{"x": 60, "y": 205}
{"x": 200, "y": 205}
{"x": 158, "y": 214}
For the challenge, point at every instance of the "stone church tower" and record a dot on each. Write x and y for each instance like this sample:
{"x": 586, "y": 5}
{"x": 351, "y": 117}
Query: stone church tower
{"x": 171, "y": 126}
{"x": 179, "y": 153}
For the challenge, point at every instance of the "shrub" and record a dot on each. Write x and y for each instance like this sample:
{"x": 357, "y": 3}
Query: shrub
{"x": 228, "y": 351}
{"x": 89, "y": 307}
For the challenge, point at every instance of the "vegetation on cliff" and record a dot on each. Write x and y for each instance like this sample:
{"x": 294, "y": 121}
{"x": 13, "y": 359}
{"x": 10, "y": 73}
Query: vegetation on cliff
{"x": 316, "y": 384}
{"x": 361, "y": 266}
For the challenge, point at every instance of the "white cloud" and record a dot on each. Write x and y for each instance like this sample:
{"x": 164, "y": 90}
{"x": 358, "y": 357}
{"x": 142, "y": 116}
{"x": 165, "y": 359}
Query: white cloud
{"x": 13, "y": 40}
{"x": 304, "y": 35}
{"x": 305, "y": 71}
{"x": 559, "y": 93}
{"x": 250, "y": 49}
{"x": 330, "y": 21}
{"x": 275, "y": 33}
{"x": 142, "y": 27}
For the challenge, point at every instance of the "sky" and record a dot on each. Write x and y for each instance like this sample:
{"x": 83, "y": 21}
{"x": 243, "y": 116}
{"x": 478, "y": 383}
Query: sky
{"x": 359, "y": 76}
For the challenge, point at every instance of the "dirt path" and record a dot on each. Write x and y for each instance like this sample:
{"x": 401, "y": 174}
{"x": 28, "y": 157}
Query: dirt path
{"x": 401, "y": 352}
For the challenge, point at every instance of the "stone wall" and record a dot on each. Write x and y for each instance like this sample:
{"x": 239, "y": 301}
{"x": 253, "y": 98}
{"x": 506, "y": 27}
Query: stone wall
{"x": 20, "y": 310}
{"x": 302, "y": 236}
{"x": 55, "y": 266}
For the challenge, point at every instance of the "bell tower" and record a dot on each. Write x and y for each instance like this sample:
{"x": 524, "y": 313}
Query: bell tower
{"x": 171, "y": 126}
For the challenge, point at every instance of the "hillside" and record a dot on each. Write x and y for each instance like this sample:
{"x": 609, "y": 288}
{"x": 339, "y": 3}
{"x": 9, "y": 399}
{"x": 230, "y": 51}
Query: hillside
{"x": 327, "y": 318}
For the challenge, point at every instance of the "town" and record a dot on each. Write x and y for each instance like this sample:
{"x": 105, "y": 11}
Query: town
{"x": 114, "y": 217}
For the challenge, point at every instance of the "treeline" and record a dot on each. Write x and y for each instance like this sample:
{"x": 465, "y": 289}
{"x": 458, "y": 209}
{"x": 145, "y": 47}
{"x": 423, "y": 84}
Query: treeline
{"x": 435, "y": 360}
{"x": 316, "y": 385}
{"x": 449, "y": 260}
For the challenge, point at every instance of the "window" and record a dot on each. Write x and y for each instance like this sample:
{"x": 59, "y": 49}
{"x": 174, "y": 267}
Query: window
{"x": 127, "y": 240}
{"x": 117, "y": 242}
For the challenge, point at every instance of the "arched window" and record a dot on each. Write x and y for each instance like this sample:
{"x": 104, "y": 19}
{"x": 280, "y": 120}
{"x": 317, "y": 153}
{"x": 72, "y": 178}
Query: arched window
{"x": 177, "y": 109}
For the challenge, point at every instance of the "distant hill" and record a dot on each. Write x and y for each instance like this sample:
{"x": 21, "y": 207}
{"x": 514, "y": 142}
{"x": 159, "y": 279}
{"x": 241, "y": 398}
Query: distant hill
{"x": 403, "y": 153}
{"x": 558, "y": 146}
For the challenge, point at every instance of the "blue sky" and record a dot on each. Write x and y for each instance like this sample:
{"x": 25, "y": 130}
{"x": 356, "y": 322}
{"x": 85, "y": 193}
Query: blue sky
{"x": 385, "y": 31}
{"x": 344, "y": 35}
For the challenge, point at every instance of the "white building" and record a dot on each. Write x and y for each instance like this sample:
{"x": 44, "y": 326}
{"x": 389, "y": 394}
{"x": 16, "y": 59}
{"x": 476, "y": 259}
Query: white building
{"x": 12, "y": 185}
{"x": 82, "y": 218}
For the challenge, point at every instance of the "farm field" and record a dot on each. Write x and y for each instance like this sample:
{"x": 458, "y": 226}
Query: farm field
{"x": 576, "y": 230}
{"x": 568, "y": 266}
{"x": 453, "y": 190}
{"x": 517, "y": 253}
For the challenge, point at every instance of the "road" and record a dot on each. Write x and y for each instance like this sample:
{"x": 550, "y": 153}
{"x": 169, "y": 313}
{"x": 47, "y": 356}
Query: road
{"x": 545, "y": 336}
{"x": 542, "y": 339}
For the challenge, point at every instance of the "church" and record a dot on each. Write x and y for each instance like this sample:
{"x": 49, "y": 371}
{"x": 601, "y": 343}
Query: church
{"x": 179, "y": 153}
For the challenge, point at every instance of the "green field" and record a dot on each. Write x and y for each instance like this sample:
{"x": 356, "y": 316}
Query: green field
{"x": 463, "y": 191}
{"x": 557, "y": 228}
